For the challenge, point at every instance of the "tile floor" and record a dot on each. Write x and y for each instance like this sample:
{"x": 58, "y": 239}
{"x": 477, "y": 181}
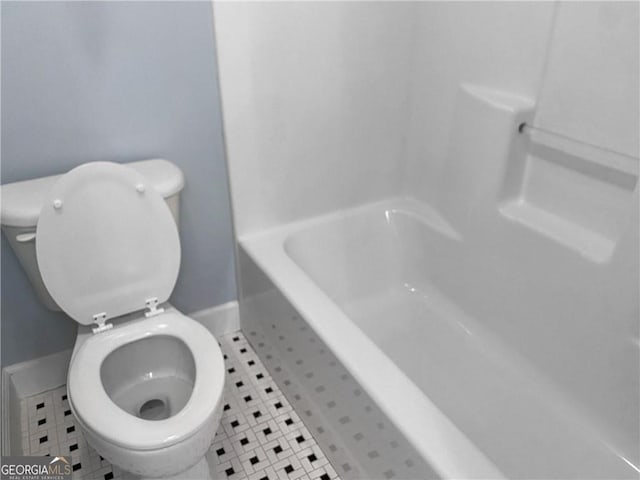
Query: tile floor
{"x": 260, "y": 437}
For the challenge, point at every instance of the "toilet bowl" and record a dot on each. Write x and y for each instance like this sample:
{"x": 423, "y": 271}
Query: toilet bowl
{"x": 148, "y": 393}
{"x": 145, "y": 382}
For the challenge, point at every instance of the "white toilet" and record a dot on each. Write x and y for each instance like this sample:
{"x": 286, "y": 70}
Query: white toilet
{"x": 145, "y": 382}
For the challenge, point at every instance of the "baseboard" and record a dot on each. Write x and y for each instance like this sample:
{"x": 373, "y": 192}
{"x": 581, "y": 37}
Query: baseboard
{"x": 220, "y": 319}
{"x": 5, "y": 448}
{"x": 12, "y": 414}
{"x": 40, "y": 374}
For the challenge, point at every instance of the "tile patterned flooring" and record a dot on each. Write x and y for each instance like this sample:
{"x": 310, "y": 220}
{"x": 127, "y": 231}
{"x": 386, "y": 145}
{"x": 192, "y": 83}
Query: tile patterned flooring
{"x": 261, "y": 437}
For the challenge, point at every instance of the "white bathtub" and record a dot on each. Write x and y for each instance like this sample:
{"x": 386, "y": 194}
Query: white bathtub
{"x": 495, "y": 352}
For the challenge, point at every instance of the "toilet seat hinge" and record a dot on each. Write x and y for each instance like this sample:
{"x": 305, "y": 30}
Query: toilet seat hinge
{"x": 152, "y": 307}
{"x": 101, "y": 320}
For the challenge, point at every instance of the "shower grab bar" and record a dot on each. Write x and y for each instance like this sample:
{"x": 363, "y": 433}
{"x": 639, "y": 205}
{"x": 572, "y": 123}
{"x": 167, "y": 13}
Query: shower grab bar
{"x": 603, "y": 156}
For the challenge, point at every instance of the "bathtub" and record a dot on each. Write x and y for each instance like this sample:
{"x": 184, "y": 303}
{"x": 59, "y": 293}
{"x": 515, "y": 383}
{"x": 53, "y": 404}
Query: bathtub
{"x": 482, "y": 359}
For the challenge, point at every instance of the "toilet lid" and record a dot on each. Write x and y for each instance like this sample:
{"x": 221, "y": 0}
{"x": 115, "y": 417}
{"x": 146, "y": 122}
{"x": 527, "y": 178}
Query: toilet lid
{"x": 106, "y": 242}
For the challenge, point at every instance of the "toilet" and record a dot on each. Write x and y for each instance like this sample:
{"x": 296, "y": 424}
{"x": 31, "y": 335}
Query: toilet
{"x": 145, "y": 382}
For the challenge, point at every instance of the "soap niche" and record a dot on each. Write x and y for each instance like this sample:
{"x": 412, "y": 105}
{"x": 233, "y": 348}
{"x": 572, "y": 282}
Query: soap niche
{"x": 573, "y": 193}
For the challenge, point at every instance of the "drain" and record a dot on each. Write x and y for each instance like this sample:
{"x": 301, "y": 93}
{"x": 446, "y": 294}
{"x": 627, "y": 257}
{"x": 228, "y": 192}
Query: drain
{"x": 154, "y": 409}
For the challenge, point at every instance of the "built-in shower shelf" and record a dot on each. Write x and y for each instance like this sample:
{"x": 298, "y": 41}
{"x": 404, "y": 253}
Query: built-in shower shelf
{"x": 590, "y": 244}
{"x": 576, "y": 194}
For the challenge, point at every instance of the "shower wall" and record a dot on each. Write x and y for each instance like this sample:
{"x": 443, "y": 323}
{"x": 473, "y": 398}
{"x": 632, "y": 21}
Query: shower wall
{"x": 336, "y": 104}
{"x": 577, "y": 61}
{"x": 501, "y": 45}
{"x": 590, "y": 90}
{"x": 315, "y": 98}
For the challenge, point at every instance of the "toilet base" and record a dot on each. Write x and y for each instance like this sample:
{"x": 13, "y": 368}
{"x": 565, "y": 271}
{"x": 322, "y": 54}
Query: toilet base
{"x": 200, "y": 471}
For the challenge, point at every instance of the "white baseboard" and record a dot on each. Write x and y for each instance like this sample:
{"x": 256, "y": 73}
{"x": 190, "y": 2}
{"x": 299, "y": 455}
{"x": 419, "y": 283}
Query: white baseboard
{"x": 23, "y": 380}
{"x": 8, "y": 408}
{"x": 220, "y": 319}
{"x": 40, "y": 374}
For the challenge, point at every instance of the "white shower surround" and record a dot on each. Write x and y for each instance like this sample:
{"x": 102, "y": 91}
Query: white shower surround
{"x": 331, "y": 106}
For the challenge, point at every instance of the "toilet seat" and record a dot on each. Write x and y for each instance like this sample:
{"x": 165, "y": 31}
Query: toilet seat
{"x": 98, "y": 412}
{"x": 106, "y": 243}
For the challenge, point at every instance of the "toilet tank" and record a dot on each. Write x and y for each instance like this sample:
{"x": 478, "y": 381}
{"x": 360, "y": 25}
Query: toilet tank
{"x": 21, "y": 203}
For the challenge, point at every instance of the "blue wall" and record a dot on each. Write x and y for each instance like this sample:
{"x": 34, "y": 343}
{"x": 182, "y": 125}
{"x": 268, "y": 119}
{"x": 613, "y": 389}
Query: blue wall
{"x": 120, "y": 81}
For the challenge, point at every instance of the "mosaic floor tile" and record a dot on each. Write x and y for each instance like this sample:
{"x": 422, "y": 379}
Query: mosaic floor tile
{"x": 261, "y": 437}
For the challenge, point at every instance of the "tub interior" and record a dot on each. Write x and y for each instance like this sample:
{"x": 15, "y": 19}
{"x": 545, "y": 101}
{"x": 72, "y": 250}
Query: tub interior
{"x": 518, "y": 350}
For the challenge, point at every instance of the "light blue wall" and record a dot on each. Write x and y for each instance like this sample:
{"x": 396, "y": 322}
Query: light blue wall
{"x": 120, "y": 81}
